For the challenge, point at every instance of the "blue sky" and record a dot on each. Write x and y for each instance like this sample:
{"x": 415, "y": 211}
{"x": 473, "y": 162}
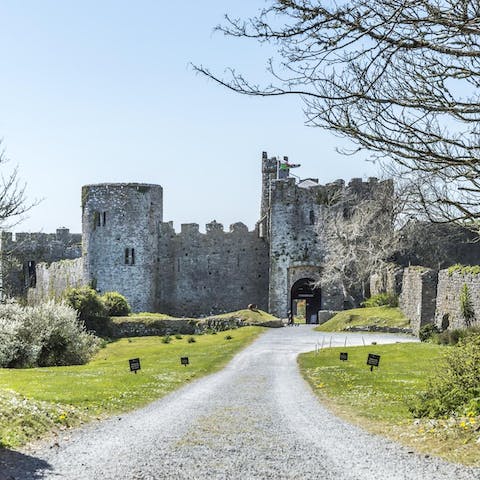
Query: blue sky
{"x": 103, "y": 91}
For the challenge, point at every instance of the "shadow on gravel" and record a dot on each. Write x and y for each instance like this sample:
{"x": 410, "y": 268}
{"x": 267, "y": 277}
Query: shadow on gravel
{"x": 18, "y": 466}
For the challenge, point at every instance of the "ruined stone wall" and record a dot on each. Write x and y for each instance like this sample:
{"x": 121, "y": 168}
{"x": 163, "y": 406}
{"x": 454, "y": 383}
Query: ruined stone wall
{"x": 20, "y": 253}
{"x": 53, "y": 279}
{"x": 418, "y": 297}
{"x": 120, "y": 240}
{"x": 387, "y": 280}
{"x": 450, "y": 283}
{"x": 203, "y": 274}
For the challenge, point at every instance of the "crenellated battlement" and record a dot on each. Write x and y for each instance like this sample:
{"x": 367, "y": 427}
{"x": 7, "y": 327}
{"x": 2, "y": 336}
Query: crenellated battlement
{"x": 212, "y": 229}
{"x": 309, "y": 190}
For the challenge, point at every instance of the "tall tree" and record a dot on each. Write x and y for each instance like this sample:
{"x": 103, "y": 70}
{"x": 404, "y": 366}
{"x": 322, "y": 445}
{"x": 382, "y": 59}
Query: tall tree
{"x": 400, "y": 78}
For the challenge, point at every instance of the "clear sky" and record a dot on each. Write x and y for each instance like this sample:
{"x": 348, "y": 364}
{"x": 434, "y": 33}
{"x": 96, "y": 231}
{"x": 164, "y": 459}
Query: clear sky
{"x": 102, "y": 91}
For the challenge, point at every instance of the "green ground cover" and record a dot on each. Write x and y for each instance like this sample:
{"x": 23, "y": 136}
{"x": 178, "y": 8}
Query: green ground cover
{"x": 370, "y": 316}
{"x": 35, "y": 401}
{"x": 249, "y": 316}
{"x": 378, "y": 400}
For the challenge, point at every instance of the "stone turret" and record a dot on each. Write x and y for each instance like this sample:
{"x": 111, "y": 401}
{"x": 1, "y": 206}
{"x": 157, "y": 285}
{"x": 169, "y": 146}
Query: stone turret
{"x": 120, "y": 223}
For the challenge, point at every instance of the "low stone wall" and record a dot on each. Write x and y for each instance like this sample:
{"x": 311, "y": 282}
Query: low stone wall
{"x": 183, "y": 326}
{"x": 52, "y": 280}
{"x": 450, "y": 284}
{"x": 418, "y": 298}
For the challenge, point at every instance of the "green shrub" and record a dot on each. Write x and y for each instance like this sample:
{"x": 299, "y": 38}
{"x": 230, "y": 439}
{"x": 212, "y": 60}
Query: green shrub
{"x": 466, "y": 305}
{"x": 427, "y": 332}
{"x": 116, "y": 305}
{"x": 381, "y": 299}
{"x": 456, "y": 387}
{"x": 166, "y": 339}
{"x": 178, "y": 336}
{"x": 452, "y": 337}
{"x": 228, "y": 337}
{"x": 191, "y": 340}
{"x": 86, "y": 302}
{"x": 45, "y": 335}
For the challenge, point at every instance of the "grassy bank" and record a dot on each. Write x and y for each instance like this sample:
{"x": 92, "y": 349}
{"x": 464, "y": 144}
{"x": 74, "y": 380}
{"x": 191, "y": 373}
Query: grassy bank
{"x": 247, "y": 316}
{"x": 363, "y": 317}
{"x": 35, "y": 401}
{"x": 378, "y": 400}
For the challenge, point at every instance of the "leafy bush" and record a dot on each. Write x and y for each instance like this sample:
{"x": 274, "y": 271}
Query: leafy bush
{"x": 466, "y": 305}
{"x": 45, "y": 335}
{"x": 191, "y": 340}
{"x": 116, "y": 304}
{"x": 427, "y": 332}
{"x": 86, "y": 301}
{"x": 452, "y": 337}
{"x": 381, "y": 299}
{"x": 166, "y": 339}
{"x": 456, "y": 387}
{"x": 178, "y": 336}
{"x": 228, "y": 337}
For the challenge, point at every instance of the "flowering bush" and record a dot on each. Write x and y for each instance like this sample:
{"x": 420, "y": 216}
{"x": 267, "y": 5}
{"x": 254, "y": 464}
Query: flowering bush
{"x": 44, "y": 335}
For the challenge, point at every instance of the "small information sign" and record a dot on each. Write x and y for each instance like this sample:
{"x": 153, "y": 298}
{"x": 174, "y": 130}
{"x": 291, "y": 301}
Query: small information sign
{"x": 373, "y": 360}
{"x": 134, "y": 364}
{"x": 343, "y": 356}
{"x": 184, "y": 361}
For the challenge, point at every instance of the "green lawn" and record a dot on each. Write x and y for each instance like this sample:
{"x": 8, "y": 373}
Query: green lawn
{"x": 371, "y": 316}
{"x": 378, "y": 400}
{"x": 33, "y": 401}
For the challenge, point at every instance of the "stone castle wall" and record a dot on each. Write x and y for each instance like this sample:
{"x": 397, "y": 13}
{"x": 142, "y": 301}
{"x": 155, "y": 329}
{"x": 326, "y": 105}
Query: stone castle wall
{"x": 54, "y": 279}
{"x": 418, "y": 297}
{"x": 450, "y": 284}
{"x": 20, "y": 253}
{"x": 387, "y": 280}
{"x": 215, "y": 272}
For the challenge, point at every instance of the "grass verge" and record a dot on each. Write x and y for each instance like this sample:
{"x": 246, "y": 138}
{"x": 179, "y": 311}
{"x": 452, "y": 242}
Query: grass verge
{"x": 248, "y": 316}
{"x": 38, "y": 400}
{"x": 377, "y": 400}
{"x": 363, "y": 317}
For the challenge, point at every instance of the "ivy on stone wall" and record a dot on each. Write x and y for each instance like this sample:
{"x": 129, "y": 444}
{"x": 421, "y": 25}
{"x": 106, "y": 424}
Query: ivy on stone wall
{"x": 466, "y": 305}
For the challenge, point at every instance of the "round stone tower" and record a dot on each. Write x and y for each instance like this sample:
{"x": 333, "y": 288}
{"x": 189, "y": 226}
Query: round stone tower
{"x": 120, "y": 224}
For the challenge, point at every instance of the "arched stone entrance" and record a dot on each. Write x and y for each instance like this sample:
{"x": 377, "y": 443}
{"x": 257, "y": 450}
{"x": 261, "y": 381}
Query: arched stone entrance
{"x": 304, "y": 296}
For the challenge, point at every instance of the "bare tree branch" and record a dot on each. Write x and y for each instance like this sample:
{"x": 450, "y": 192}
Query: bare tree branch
{"x": 399, "y": 78}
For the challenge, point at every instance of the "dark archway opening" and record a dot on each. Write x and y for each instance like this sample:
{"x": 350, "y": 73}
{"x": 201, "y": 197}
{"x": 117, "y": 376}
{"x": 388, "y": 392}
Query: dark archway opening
{"x": 305, "y": 300}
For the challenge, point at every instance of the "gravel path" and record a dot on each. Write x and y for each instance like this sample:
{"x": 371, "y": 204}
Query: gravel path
{"x": 256, "y": 419}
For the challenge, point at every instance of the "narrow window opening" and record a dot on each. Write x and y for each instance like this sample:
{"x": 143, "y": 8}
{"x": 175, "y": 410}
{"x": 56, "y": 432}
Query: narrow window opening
{"x": 32, "y": 274}
{"x": 312, "y": 217}
{"x": 104, "y": 218}
{"x": 129, "y": 256}
{"x": 96, "y": 220}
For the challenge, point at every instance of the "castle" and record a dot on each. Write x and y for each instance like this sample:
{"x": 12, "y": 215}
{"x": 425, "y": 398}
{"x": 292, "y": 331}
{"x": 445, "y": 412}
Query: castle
{"x": 127, "y": 247}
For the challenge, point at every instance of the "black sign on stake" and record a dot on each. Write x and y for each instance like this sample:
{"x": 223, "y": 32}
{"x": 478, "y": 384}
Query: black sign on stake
{"x": 134, "y": 364}
{"x": 184, "y": 361}
{"x": 373, "y": 360}
{"x": 343, "y": 356}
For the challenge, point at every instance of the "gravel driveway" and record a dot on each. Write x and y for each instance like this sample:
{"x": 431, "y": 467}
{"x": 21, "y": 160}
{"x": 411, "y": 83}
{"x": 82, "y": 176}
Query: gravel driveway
{"x": 256, "y": 419}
